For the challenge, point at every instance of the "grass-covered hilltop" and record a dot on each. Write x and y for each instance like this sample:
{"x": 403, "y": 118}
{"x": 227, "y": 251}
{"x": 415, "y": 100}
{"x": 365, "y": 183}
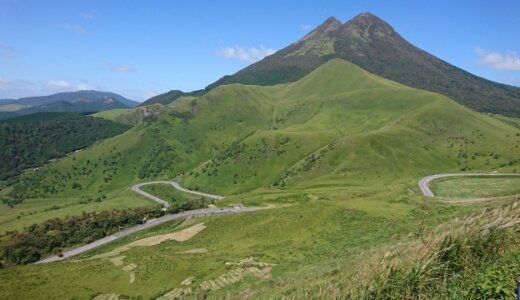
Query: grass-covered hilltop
{"x": 333, "y": 157}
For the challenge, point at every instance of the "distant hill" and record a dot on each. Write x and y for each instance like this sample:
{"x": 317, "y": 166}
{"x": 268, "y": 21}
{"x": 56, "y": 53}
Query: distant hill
{"x": 372, "y": 44}
{"x": 80, "y": 101}
{"x": 170, "y": 96}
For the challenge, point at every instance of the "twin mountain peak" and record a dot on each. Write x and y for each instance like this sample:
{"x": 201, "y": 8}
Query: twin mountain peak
{"x": 372, "y": 44}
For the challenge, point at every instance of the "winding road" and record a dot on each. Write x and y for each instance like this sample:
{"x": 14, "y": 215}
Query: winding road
{"x": 137, "y": 189}
{"x": 155, "y": 222}
{"x": 424, "y": 182}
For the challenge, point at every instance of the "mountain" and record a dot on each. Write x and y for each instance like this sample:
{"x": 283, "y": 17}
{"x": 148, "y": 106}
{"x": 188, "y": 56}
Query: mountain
{"x": 336, "y": 154}
{"x": 78, "y": 96}
{"x": 331, "y": 126}
{"x": 374, "y": 45}
{"x": 79, "y": 101}
{"x": 5, "y": 101}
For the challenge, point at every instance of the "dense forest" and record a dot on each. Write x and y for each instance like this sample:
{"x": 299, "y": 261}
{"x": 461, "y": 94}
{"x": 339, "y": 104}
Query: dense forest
{"x": 29, "y": 141}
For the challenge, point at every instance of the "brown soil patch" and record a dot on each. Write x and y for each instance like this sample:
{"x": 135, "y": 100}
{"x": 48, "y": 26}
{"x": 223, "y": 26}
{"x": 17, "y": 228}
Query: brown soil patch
{"x": 194, "y": 251}
{"x": 118, "y": 260}
{"x": 179, "y": 236}
{"x": 107, "y": 297}
{"x": 129, "y": 267}
{"x": 187, "y": 281}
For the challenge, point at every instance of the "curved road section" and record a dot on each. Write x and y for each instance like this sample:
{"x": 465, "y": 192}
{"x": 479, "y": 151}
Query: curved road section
{"x": 424, "y": 182}
{"x": 155, "y": 222}
{"x": 137, "y": 189}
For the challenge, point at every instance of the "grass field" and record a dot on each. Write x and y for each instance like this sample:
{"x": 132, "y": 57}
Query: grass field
{"x": 169, "y": 193}
{"x": 336, "y": 155}
{"x": 476, "y": 187}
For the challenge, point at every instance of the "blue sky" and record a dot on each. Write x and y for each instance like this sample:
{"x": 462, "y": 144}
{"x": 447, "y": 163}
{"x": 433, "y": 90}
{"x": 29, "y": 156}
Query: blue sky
{"x": 142, "y": 48}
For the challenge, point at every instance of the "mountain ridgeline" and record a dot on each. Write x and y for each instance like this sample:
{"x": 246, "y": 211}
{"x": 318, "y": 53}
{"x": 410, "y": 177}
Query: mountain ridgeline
{"x": 79, "y": 101}
{"x": 336, "y": 153}
{"x": 374, "y": 45}
{"x": 337, "y": 124}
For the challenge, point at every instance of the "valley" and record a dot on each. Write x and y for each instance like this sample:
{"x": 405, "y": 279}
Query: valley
{"x": 326, "y": 170}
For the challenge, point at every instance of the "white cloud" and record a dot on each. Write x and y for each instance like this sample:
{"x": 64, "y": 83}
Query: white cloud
{"x": 120, "y": 68}
{"x": 73, "y": 27}
{"x": 249, "y": 55}
{"x": 56, "y": 84}
{"x": 84, "y": 87}
{"x": 14, "y": 88}
{"x": 89, "y": 15}
{"x": 505, "y": 61}
{"x": 306, "y": 27}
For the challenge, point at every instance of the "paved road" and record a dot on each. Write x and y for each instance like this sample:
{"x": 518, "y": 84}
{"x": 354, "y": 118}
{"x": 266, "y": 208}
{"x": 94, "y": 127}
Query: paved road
{"x": 137, "y": 189}
{"x": 153, "y": 223}
{"x": 424, "y": 182}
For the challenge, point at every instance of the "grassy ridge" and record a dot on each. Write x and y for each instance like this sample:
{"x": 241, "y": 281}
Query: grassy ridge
{"x": 338, "y": 154}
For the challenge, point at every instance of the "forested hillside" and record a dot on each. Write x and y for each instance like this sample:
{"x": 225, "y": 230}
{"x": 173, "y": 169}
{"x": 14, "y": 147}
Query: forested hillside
{"x": 29, "y": 141}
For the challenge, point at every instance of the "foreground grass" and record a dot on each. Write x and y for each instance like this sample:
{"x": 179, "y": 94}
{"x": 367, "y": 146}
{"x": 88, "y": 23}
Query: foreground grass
{"x": 476, "y": 187}
{"x": 472, "y": 256}
{"x": 305, "y": 241}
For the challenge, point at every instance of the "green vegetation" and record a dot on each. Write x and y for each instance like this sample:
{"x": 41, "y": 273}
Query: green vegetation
{"x": 472, "y": 267}
{"x": 131, "y": 116}
{"x": 476, "y": 187}
{"x": 28, "y": 142}
{"x": 38, "y": 241}
{"x": 170, "y": 97}
{"x": 336, "y": 155}
{"x": 372, "y": 44}
{"x": 169, "y": 193}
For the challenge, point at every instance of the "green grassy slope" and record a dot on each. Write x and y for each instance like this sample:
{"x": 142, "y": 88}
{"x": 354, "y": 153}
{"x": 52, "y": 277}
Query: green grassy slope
{"x": 343, "y": 126}
{"x": 338, "y": 153}
{"x": 340, "y": 126}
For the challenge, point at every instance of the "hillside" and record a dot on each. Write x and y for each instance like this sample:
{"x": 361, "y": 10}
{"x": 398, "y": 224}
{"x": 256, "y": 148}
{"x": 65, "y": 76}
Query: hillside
{"x": 238, "y": 138}
{"x": 336, "y": 155}
{"x": 170, "y": 96}
{"x": 29, "y": 141}
{"x": 374, "y": 45}
{"x": 79, "y": 101}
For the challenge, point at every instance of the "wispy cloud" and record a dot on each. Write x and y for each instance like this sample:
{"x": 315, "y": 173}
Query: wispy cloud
{"x": 72, "y": 27}
{"x": 7, "y": 52}
{"x": 249, "y": 55}
{"x": 15, "y": 88}
{"x": 56, "y": 84}
{"x": 504, "y": 61}
{"x": 306, "y": 27}
{"x": 89, "y": 15}
{"x": 64, "y": 86}
{"x": 120, "y": 68}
